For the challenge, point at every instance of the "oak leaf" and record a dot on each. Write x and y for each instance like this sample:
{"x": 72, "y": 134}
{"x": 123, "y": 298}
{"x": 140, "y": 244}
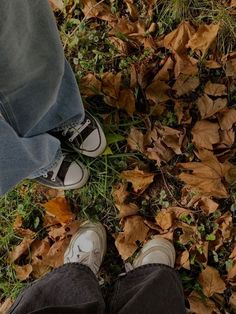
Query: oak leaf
{"x": 205, "y": 134}
{"x": 60, "y": 209}
{"x": 140, "y": 179}
{"x": 211, "y": 281}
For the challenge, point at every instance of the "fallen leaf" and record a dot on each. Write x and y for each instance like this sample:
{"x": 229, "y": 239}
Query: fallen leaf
{"x": 214, "y": 89}
{"x": 207, "y": 205}
{"x": 212, "y": 64}
{"x": 57, "y": 4}
{"x": 135, "y": 140}
{"x": 119, "y": 193}
{"x": 23, "y": 272}
{"x": 111, "y": 84}
{"x": 185, "y": 84}
{"x": 203, "y": 38}
{"x": 230, "y": 64}
{"x": 40, "y": 268}
{"x": 127, "y": 209}
{"x": 140, "y": 179}
{"x": 134, "y": 230}
{"x": 5, "y": 306}
{"x": 165, "y": 219}
{"x": 164, "y": 73}
{"x": 185, "y": 65}
{"x": 206, "y": 176}
{"x": 121, "y": 46}
{"x": 172, "y": 138}
{"x": 211, "y": 281}
{"x": 59, "y": 208}
{"x": 209, "y": 107}
{"x": 90, "y": 85}
{"x": 20, "y": 249}
{"x": 126, "y": 101}
{"x": 157, "y": 92}
{"x": 205, "y": 134}
{"x": 225, "y": 225}
{"x": 183, "y": 260}
{"x": 199, "y": 305}
{"x": 39, "y": 249}
{"x": 92, "y": 8}
{"x": 232, "y": 300}
{"x": 227, "y": 118}
{"x": 55, "y": 255}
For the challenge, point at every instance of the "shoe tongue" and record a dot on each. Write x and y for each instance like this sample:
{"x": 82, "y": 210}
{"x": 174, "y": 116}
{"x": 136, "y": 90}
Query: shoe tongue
{"x": 85, "y": 243}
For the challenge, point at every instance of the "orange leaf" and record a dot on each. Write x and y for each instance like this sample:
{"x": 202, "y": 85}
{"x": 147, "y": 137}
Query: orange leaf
{"x": 139, "y": 179}
{"x": 23, "y": 272}
{"x": 60, "y": 209}
{"x": 20, "y": 249}
{"x": 205, "y": 134}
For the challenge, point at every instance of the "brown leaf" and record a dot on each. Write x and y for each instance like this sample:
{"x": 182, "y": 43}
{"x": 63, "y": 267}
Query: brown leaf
{"x": 92, "y": 8}
{"x": 185, "y": 84}
{"x": 172, "y": 138}
{"x": 214, "y": 89}
{"x": 133, "y": 11}
{"x": 5, "y": 306}
{"x": 204, "y": 38}
{"x": 207, "y": 205}
{"x": 200, "y": 306}
{"x": 183, "y": 260}
{"x": 134, "y": 230}
{"x": 39, "y": 249}
{"x": 23, "y": 272}
{"x": 232, "y": 300}
{"x": 18, "y": 222}
{"x": 121, "y": 46}
{"x": 230, "y": 64}
{"x": 140, "y": 179}
{"x": 185, "y": 65}
{"x": 189, "y": 233}
{"x": 40, "y": 268}
{"x": 227, "y": 118}
{"x": 205, "y": 134}
{"x": 55, "y": 256}
{"x": 119, "y": 193}
{"x": 207, "y": 176}
{"x": 126, "y": 101}
{"x": 178, "y": 38}
{"x": 225, "y": 225}
{"x": 111, "y": 84}
{"x": 57, "y": 4}
{"x": 212, "y": 64}
{"x": 20, "y": 249}
{"x": 165, "y": 219}
{"x": 135, "y": 140}
{"x": 59, "y": 208}
{"x": 209, "y": 107}
{"x": 164, "y": 72}
{"x": 90, "y": 85}
{"x": 157, "y": 92}
{"x": 211, "y": 281}
{"x": 127, "y": 209}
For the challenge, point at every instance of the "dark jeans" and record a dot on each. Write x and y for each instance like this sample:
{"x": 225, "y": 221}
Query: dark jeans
{"x": 73, "y": 288}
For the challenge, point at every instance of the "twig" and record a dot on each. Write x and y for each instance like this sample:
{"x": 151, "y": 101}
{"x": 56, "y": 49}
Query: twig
{"x": 169, "y": 191}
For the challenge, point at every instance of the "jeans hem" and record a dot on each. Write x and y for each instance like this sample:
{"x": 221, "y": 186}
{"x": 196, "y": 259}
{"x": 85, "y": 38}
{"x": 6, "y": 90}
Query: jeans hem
{"x": 69, "y": 124}
{"x": 45, "y": 170}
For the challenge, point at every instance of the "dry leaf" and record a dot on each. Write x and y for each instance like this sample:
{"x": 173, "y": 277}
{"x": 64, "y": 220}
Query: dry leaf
{"x": 119, "y": 193}
{"x": 183, "y": 260}
{"x": 20, "y": 249}
{"x": 60, "y": 209}
{"x": 90, "y": 85}
{"x": 200, "y": 306}
{"x": 211, "y": 281}
{"x": 140, "y": 179}
{"x": 157, "y": 92}
{"x": 185, "y": 65}
{"x": 134, "y": 230}
{"x": 209, "y": 107}
{"x": 57, "y": 4}
{"x": 127, "y": 209}
{"x": 172, "y": 138}
{"x": 165, "y": 219}
{"x": 215, "y": 89}
{"x": 204, "y": 38}
{"x": 227, "y": 118}
{"x": 205, "y": 134}
{"x": 39, "y": 249}
{"x": 23, "y": 272}
{"x": 207, "y": 205}
{"x": 206, "y": 176}
{"x": 164, "y": 72}
{"x": 111, "y": 84}
{"x": 126, "y": 101}
{"x": 92, "y": 8}
{"x": 40, "y": 268}
{"x": 5, "y": 306}
{"x": 185, "y": 84}
{"x": 232, "y": 300}
{"x": 55, "y": 256}
{"x": 135, "y": 140}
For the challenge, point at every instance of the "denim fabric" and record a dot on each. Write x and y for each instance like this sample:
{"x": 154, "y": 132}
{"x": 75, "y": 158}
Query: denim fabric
{"x": 38, "y": 90}
{"x": 73, "y": 288}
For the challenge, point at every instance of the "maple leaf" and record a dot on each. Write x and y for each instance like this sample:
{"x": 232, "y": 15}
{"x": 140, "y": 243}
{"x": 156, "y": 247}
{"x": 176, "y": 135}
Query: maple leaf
{"x": 206, "y": 176}
{"x": 59, "y": 208}
{"x": 140, "y": 179}
{"x": 211, "y": 281}
{"x": 23, "y": 272}
{"x": 205, "y": 134}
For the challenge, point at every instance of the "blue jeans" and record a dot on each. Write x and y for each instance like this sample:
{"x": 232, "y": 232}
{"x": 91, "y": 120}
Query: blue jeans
{"x": 38, "y": 91}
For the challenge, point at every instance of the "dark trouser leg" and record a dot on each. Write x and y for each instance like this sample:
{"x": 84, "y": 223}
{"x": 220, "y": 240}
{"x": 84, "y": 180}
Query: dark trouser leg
{"x": 72, "y": 288}
{"x": 149, "y": 289}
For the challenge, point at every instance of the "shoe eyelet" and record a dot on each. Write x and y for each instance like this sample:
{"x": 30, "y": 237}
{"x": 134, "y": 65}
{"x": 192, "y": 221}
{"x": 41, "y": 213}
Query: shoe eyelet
{"x": 53, "y": 179}
{"x": 63, "y": 134}
{"x": 45, "y": 175}
{"x": 70, "y": 140}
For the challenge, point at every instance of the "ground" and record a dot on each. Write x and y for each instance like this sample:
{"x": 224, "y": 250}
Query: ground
{"x": 160, "y": 77}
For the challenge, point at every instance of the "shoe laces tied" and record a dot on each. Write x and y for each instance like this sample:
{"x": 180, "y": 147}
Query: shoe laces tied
{"x": 76, "y": 130}
{"x": 89, "y": 258}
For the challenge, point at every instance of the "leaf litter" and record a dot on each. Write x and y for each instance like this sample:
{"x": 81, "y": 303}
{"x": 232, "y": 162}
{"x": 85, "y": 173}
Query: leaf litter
{"x": 183, "y": 188}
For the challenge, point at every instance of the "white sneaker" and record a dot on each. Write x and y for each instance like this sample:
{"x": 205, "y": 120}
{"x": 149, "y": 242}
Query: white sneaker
{"x": 86, "y": 138}
{"x": 157, "y": 250}
{"x": 87, "y": 246}
{"x": 67, "y": 174}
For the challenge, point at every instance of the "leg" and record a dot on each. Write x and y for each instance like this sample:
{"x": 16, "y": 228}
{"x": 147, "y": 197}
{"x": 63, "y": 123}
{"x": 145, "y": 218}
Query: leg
{"x": 38, "y": 91}
{"x": 152, "y": 286}
{"x": 72, "y": 288}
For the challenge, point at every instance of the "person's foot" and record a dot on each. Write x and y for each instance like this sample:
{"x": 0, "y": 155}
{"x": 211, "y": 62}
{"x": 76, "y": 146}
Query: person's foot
{"x": 87, "y": 246}
{"x": 86, "y": 138}
{"x": 158, "y": 250}
{"x": 67, "y": 175}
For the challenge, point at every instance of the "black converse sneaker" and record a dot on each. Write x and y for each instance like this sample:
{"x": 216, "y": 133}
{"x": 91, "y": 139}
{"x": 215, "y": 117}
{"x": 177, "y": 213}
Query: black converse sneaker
{"x": 86, "y": 138}
{"x": 67, "y": 175}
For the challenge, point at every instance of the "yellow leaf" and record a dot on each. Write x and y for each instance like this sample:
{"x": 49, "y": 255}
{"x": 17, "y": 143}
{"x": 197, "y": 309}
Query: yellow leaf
{"x": 60, "y": 209}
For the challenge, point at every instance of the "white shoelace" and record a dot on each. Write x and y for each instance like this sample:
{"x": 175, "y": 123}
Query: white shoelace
{"x": 76, "y": 130}
{"x": 56, "y": 169}
{"x": 90, "y": 259}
